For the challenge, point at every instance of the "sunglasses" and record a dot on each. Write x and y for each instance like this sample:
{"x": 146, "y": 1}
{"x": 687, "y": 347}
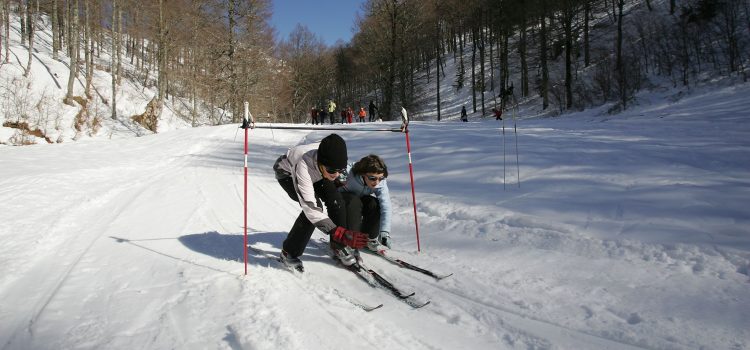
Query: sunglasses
{"x": 333, "y": 170}
{"x": 375, "y": 178}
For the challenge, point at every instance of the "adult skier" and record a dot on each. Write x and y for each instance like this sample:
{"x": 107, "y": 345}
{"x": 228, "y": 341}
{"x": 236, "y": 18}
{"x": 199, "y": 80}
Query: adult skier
{"x": 306, "y": 173}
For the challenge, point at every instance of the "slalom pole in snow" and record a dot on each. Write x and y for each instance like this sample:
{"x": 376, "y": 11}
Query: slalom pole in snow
{"x": 503, "y": 122}
{"x": 246, "y": 124}
{"x": 515, "y": 134}
{"x": 405, "y": 128}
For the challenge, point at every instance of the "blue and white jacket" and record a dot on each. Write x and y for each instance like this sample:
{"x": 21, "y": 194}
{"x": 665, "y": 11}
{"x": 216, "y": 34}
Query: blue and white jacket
{"x": 357, "y": 185}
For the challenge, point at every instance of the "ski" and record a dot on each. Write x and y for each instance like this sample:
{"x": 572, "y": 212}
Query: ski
{"x": 353, "y": 301}
{"x": 383, "y": 283}
{"x": 406, "y": 265}
{"x": 375, "y": 279}
{"x": 356, "y": 302}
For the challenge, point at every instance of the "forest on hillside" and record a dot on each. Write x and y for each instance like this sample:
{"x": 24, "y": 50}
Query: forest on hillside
{"x": 567, "y": 55}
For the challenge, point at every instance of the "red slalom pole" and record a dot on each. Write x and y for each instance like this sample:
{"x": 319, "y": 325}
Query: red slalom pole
{"x": 405, "y": 127}
{"x": 413, "y": 196}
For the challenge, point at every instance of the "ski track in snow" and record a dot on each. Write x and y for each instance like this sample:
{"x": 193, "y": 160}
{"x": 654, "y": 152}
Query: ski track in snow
{"x": 138, "y": 243}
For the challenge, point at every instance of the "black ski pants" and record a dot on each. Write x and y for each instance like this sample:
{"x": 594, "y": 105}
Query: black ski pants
{"x": 302, "y": 230}
{"x": 362, "y": 214}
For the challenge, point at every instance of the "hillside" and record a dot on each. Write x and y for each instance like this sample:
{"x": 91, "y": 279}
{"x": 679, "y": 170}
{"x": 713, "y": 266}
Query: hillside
{"x": 36, "y": 101}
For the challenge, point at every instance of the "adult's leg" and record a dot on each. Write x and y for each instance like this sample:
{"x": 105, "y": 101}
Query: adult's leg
{"x": 299, "y": 235}
{"x": 287, "y": 184}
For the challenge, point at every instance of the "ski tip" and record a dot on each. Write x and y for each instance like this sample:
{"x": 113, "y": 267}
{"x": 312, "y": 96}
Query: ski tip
{"x": 438, "y": 277}
{"x": 419, "y": 306}
{"x": 404, "y": 296}
{"x": 372, "y": 308}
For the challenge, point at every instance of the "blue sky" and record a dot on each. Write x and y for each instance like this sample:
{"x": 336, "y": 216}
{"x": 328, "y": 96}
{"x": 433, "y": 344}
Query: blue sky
{"x": 330, "y": 20}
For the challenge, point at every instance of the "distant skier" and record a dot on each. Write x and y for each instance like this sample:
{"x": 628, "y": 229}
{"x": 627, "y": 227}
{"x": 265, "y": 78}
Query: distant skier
{"x": 368, "y": 203}
{"x": 314, "y": 115}
{"x": 331, "y": 109}
{"x": 464, "y": 117}
{"x": 349, "y": 115}
{"x": 306, "y": 173}
{"x": 362, "y": 114}
{"x": 498, "y": 113}
{"x": 322, "y": 115}
{"x": 372, "y": 109}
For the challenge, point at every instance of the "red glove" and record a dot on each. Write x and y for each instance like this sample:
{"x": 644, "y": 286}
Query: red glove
{"x": 349, "y": 238}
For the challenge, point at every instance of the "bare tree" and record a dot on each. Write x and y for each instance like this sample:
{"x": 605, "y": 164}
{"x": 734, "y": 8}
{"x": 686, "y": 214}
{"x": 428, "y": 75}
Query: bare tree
{"x": 6, "y": 22}
{"x": 620, "y": 65}
{"x": 567, "y": 19}
{"x": 88, "y": 47}
{"x": 55, "y": 39}
{"x": 115, "y": 54}
{"x": 32, "y": 25}
{"x": 303, "y": 52}
{"x": 73, "y": 50}
{"x": 2, "y": 21}
{"x": 544, "y": 81}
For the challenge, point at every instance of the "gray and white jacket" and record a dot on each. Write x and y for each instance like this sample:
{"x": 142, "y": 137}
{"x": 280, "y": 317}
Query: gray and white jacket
{"x": 301, "y": 163}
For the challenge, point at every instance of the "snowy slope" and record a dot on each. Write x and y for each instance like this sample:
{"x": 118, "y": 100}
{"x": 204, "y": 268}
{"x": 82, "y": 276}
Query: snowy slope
{"x": 624, "y": 233}
{"x": 629, "y": 231}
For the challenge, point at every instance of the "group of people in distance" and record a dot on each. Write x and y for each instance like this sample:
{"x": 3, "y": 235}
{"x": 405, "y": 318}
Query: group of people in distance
{"x": 356, "y": 199}
{"x": 496, "y": 111}
{"x": 319, "y": 115}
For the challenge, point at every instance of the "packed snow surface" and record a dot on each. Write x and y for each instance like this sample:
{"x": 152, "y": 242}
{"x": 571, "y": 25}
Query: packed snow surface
{"x": 624, "y": 232}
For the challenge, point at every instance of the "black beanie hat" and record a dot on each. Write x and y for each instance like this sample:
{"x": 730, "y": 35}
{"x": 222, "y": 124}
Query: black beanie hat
{"x": 332, "y": 152}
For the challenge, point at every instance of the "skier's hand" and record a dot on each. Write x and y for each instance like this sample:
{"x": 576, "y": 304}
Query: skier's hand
{"x": 353, "y": 239}
{"x": 385, "y": 239}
